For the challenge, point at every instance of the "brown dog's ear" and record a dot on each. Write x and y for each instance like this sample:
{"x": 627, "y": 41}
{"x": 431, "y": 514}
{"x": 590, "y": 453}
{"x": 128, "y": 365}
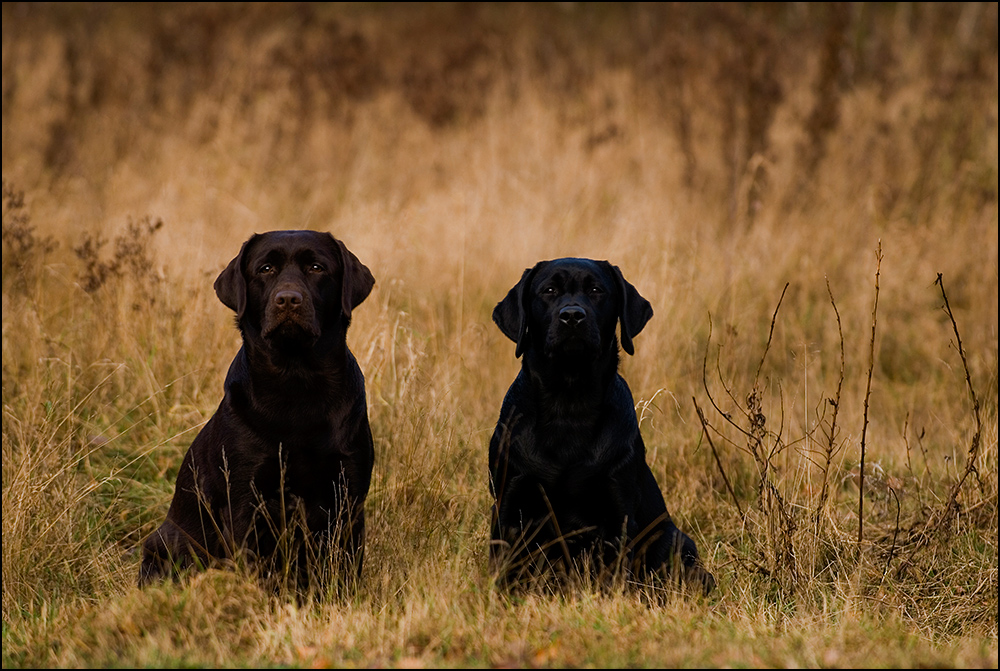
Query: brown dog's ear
{"x": 358, "y": 280}
{"x": 231, "y": 284}
{"x": 635, "y": 310}
{"x": 511, "y": 314}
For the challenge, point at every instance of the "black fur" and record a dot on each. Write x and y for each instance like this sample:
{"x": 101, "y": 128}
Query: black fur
{"x": 568, "y": 467}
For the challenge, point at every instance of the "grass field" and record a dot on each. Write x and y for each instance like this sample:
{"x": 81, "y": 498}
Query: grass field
{"x": 805, "y": 193}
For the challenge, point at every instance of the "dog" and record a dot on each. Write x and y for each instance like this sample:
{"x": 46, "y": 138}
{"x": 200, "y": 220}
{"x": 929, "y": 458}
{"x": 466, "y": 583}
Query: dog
{"x": 568, "y": 472}
{"x": 280, "y": 473}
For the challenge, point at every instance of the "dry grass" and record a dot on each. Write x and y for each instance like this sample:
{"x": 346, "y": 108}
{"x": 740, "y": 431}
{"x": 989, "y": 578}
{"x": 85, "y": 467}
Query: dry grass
{"x": 762, "y": 174}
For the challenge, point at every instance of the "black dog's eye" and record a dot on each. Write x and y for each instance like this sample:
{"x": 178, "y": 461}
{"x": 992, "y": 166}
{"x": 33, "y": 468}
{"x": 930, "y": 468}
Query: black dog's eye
{"x": 596, "y": 291}
{"x": 548, "y": 291}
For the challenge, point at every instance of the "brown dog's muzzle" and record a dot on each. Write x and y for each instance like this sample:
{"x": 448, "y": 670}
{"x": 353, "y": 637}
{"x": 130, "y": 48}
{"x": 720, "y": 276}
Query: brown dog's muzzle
{"x": 288, "y": 299}
{"x": 290, "y": 315}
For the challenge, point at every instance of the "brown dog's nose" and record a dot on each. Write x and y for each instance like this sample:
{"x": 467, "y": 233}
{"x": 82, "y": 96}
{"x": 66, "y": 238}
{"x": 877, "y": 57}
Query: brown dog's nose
{"x": 288, "y": 298}
{"x": 572, "y": 315}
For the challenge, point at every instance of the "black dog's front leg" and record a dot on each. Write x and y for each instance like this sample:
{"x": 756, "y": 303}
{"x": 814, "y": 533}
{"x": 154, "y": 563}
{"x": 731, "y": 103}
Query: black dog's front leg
{"x": 525, "y": 533}
{"x": 660, "y": 547}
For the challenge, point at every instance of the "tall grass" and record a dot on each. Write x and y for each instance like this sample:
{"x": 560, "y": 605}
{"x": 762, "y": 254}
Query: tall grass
{"x": 807, "y": 195}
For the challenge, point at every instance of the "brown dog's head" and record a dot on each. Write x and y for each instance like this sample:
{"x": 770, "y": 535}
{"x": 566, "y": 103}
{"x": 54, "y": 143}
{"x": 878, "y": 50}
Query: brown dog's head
{"x": 570, "y": 307}
{"x": 289, "y": 286}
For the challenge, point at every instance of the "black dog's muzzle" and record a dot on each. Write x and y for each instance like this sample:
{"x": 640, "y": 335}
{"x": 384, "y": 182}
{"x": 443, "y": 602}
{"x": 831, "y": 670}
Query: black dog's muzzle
{"x": 572, "y": 315}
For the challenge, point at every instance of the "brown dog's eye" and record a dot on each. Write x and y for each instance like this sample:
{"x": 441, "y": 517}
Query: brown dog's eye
{"x": 264, "y": 269}
{"x": 317, "y": 268}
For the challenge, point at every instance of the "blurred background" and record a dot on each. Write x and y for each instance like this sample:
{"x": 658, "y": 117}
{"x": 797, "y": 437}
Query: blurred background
{"x": 715, "y": 151}
{"x": 515, "y": 131}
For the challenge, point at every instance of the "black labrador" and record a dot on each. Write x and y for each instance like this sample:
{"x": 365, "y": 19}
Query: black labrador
{"x": 568, "y": 469}
{"x": 279, "y": 474}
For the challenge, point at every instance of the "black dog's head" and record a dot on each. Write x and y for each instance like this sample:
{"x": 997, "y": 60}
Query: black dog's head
{"x": 568, "y": 308}
{"x": 291, "y": 287}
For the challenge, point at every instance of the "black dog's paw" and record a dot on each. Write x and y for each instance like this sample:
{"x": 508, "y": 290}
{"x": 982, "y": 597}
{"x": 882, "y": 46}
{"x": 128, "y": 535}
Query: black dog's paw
{"x": 700, "y": 579}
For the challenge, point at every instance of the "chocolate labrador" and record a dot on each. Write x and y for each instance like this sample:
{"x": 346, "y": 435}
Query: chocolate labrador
{"x": 568, "y": 469}
{"x": 279, "y": 474}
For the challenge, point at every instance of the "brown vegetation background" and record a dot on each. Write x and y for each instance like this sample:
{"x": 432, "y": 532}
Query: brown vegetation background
{"x": 805, "y": 192}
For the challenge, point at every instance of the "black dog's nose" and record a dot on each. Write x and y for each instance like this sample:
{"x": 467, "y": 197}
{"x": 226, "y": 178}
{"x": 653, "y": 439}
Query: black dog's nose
{"x": 288, "y": 298}
{"x": 572, "y": 315}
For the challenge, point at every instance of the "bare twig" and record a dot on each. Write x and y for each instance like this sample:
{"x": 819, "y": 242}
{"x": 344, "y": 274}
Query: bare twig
{"x": 781, "y": 522}
{"x": 937, "y": 520}
{"x": 868, "y": 393}
{"x": 708, "y": 392}
{"x": 770, "y": 334}
{"x": 923, "y": 451}
{"x": 970, "y": 463}
{"x": 755, "y": 411}
{"x": 895, "y": 534}
{"x": 831, "y": 438}
{"x": 704, "y": 427}
{"x": 778, "y": 445}
{"x": 906, "y": 442}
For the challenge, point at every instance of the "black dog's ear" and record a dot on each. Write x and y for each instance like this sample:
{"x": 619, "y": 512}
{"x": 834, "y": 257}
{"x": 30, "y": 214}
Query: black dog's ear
{"x": 231, "y": 284}
{"x": 635, "y": 310}
{"x": 358, "y": 280}
{"x": 511, "y": 314}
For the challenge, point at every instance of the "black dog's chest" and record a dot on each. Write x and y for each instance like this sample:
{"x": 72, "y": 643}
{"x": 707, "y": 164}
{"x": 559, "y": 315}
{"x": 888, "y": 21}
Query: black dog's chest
{"x": 575, "y": 485}
{"x": 569, "y": 455}
{"x": 573, "y": 446}
{"x": 577, "y": 496}
{"x": 571, "y": 464}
